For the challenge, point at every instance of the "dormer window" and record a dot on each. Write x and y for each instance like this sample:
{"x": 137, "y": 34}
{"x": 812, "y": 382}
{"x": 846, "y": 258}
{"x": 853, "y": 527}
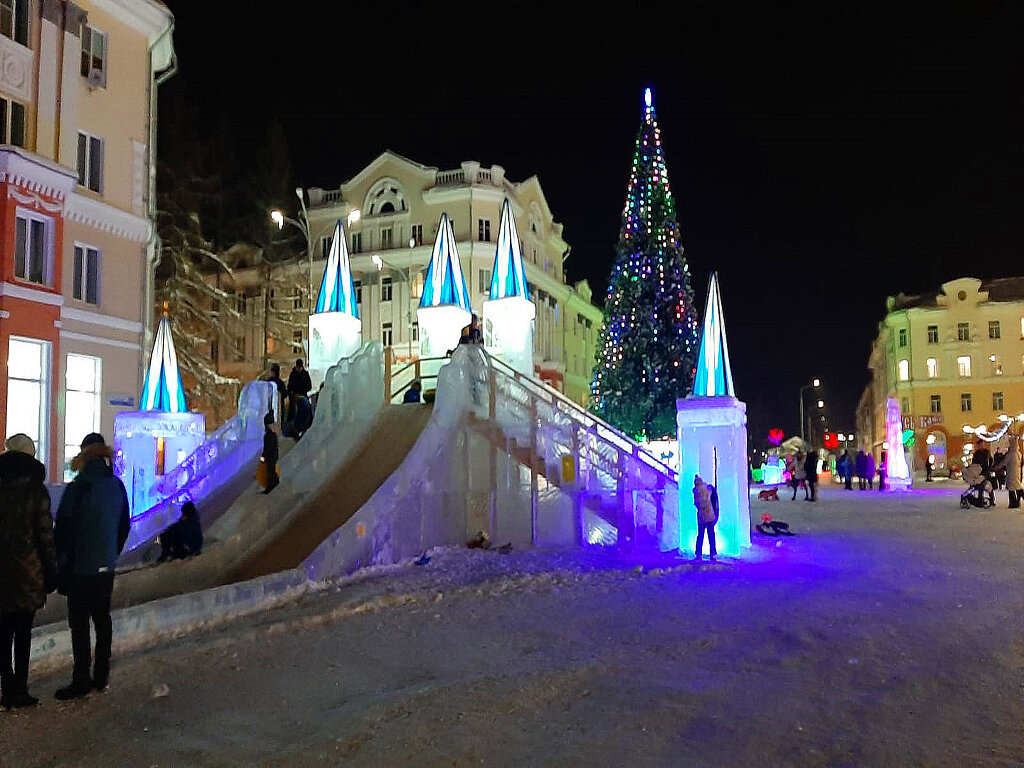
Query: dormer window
{"x": 385, "y": 197}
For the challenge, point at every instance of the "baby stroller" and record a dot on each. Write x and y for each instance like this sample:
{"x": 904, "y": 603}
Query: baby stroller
{"x": 979, "y": 487}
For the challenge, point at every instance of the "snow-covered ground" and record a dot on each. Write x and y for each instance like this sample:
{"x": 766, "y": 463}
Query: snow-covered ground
{"x": 888, "y": 631}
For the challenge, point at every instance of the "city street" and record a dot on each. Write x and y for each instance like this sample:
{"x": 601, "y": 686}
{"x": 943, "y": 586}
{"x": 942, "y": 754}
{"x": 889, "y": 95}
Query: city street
{"x": 888, "y": 631}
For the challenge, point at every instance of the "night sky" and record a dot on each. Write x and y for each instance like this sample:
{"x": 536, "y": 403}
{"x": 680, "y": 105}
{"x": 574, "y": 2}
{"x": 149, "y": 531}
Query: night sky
{"x": 819, "y": 164}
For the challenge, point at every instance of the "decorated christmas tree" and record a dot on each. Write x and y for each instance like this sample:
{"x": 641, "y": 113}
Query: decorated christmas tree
{"x": 645, "y": 357}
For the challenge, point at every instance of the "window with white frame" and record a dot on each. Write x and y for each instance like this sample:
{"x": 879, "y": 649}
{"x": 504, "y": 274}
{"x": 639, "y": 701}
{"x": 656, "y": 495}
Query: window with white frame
{"x": 86, "y": 280}
{"x": 387, "y": 237}
{"x": 358, "y": 287}
{"x": 902, "y": 337}
{"x": 933, "y": 367}
{"x": 995, "y": 365}
{"x": 965, "y": 401}
{"x": 90, "y": 161}
{"x": 357, "y": 242}
{"x": 483, "y": 230}
{"x": 385, "y": 289}
{"x": 94, "y": 54}
{"x": 12, "y": 122}
{"x": 903, "y": 370}
{"x": 33, "y": 247}
{"x": 387, "y": 334}
{"x": 82, "y": 404}
{"x": 28, "y": 391}
{"x": 416, "y": 236}
{"x": 485, "y": 281}
{"x": 963, "y": 365}
{"x": 997, "y": 401}
{"x": 325, "y": 246}
{"x": 933, "y": 334}
{"x": 994, "y": 331}
{"x": 14, "y": 20}
{"x": 415, "y": 330}
{"x": 963, "y": 331}
{"x": 936, "y": 403}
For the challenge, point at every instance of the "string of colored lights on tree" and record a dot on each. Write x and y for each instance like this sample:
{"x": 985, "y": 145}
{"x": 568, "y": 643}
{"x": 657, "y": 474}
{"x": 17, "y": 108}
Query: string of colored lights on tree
{"x": 648, "y": 336}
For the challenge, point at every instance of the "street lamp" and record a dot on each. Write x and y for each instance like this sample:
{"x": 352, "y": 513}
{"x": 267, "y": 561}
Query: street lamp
{"x": 815, "y": 383}
{"x": 407, "y": 276}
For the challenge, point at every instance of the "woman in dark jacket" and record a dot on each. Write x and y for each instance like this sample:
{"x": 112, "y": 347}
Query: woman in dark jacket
{"x": 28, "y": 563}
{"x": 811, "y": 470}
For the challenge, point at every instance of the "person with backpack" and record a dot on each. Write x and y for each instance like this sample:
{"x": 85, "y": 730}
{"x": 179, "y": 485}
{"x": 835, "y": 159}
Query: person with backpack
{"x": 705, "y": 500}
{"x": 92, "y": 527}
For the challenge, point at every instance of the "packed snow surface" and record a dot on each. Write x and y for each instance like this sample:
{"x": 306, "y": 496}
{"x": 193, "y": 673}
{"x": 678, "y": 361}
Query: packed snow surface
{"x": 887, "y": 631}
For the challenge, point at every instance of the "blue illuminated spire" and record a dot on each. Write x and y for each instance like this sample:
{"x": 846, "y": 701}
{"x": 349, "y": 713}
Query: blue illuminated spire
{"x": 714, "y": 372}
{"x": 162, "y": 390}
{"x": 445, "y": 284}
{"x": 508, "y": 277}
{"x": 337, "y": 291}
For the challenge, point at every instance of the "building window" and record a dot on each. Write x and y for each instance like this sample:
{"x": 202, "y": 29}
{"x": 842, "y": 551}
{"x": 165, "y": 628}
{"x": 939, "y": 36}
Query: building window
{"x": 417, "y": 284}
{"x": 357, "y": 242}
{"x": 965, "y": 401}
{"x": 933, "y": 368}
{"x": 415, "y": 330}
{"x": 995, "y": 365}
{"x": 387, "y": 237}
{"x": 387, "y": 335}
{"x": 416, "y": 236}
{"x": 86, "y": 282}
{"x": 33, "y": 246}
{"x": 933, "y": 334}
{"x": 385, "y": 289}
{"x": 905, "y": 406}
{"x": 94, "y": 54}
{"x": 483, "y": 230}
{"x": 325, "y": 246}
{"x": 993, "y": 329}
{"x": 964, "y": 365}
{"x": 358, "y": 286}
{"x": 963, "y": 331}
{"x": 936, "y": 404}
{"x": 12, "y": 122}
{"x": 14, "y": 20}
{"x": 297, "y": 340}
{"x": 902, "y": 334}
{"x": 90, "y": 162}
{"x": 28, "y": 392}
{"x": 485, "y": 281}
{"x": 997, "y": 401}
{"x": 82, "y": 405}
{"x": 903, "y": 370}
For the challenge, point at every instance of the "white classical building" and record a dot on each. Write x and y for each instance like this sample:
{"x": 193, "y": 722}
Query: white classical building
{"x": 399, "y": 204}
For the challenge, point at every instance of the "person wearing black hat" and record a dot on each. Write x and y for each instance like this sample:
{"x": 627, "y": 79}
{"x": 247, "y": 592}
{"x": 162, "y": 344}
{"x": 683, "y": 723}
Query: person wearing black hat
{"x": 92, "y": 527}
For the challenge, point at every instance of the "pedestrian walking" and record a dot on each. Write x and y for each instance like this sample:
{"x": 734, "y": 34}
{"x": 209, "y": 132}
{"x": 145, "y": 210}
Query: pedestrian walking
{"x": 861, "y": 466}
{"x": 869, "y": 470}
{"x": 92, "y": 526}
{"x": 705, "y": 501}
{"x": 1010, "y": 465}
{"x": 811, "y": 474}
{"x": 28, "y": 563}
{"x": 797, "y": 475}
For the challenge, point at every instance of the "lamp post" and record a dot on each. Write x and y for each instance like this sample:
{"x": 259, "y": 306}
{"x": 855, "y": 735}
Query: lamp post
{"x": 815, "y": 383}
{"x": 407, "y": 276}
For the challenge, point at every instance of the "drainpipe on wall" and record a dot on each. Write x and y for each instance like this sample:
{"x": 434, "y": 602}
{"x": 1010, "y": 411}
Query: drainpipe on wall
{"x": 153, "y": 243}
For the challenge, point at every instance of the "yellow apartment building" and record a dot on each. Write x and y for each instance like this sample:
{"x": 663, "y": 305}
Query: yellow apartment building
{"x": 952, "y": 358}
{"x": 77, "y": 246}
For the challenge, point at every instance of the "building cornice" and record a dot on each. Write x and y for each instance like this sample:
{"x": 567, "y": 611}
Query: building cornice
{"x": 100, "y": 340}
{"x": 16, "y": 291}
{"x": 144, "y": 16}
{"x": 30, "y": 171}
{"x": 97, "y": 318}
{"x": 106, "y": 218}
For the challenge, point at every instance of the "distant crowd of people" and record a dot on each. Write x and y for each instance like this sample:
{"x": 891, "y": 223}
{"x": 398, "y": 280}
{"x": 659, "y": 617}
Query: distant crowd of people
{"x": 802, "y": 468}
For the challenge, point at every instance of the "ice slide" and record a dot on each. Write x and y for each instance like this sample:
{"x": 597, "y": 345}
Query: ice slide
{"x": 506, "y": 454}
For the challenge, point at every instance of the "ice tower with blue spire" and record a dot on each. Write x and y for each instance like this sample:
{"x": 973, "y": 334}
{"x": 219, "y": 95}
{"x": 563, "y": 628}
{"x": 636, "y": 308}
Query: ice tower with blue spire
{"x": 508, "y": 311}
{"x": 444, "y": 305}
{"x": 335, "y": 330}
{"x": 155, "y": 439}
{"x": 712, "y": 426}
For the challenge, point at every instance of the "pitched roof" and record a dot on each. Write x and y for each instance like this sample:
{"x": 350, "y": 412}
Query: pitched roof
{"x": 508, "y": 277}
{"x": 337, "y": 291}
{"x": 445, "y": 283}
{"x": 162, "y": 390}
{"x": 714, "y": 371}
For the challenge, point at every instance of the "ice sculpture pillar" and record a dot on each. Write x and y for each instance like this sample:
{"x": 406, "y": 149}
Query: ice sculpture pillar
{"x": 154, "y": 440}
{"x": 897, "y": 473}
{"x": 335, "y": 330}
{"x": 444, "y": 306}
{"x": 508, "y": 312}
{"x": 712, "y": 427}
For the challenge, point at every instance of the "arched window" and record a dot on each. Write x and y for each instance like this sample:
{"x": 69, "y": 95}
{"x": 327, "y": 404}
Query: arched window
{"x": 903, "y": 370}
{"x": 933, "y": 367}
{"x": 384, "y": 197}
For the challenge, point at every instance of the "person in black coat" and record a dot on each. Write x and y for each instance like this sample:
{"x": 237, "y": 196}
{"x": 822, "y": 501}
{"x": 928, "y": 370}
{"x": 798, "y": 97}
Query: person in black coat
{"x": 270, "y": 452}
{"x": 811, "y": 470}
{"x": 301, "y": 418}
{"x": 184, "y": 538}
